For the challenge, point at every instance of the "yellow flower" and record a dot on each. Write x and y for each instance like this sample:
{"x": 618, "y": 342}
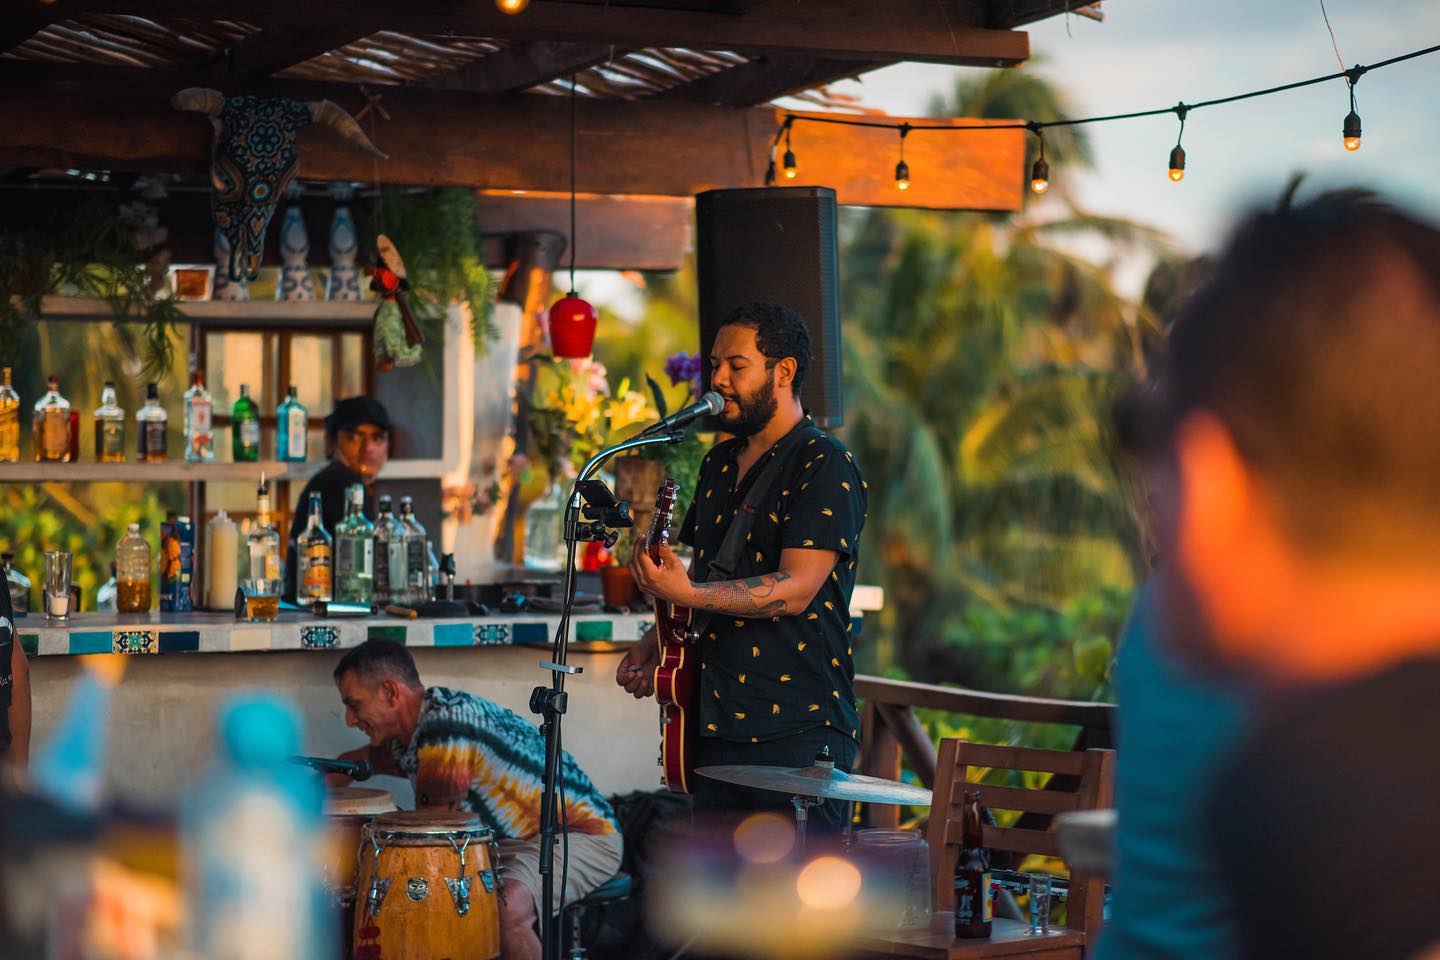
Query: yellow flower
{"x": 629, "y": 409}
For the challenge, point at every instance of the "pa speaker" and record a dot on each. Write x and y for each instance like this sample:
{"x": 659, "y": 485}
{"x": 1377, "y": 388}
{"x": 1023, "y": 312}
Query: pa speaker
{"x": 778, "y": 244}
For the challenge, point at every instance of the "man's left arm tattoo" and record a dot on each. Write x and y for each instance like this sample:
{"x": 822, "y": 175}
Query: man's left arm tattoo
{"x": 752, "y": 597}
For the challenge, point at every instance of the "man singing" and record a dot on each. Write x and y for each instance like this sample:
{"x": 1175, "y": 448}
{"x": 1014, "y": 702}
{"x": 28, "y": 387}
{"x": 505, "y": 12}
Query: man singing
{"x": 777, "y": 681}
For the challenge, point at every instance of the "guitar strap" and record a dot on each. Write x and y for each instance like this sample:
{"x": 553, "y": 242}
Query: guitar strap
{"x": 727, "y": 558}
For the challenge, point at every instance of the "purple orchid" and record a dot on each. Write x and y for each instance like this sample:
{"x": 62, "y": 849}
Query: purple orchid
{"x": 683, "y": 367}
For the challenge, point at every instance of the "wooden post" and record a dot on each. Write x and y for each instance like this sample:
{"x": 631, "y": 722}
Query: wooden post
{"x": 879, "y": 757}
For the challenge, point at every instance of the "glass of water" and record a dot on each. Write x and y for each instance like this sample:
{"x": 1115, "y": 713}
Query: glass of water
{"x": 57, "y": 584}
{"x": 1040, "y": 890}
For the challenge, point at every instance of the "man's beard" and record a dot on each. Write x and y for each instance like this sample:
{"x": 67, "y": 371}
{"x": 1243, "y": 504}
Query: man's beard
{"x": 755, "y": 412}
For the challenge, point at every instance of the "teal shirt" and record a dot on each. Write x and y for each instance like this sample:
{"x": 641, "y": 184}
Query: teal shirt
{"x": 1175, "y": 731}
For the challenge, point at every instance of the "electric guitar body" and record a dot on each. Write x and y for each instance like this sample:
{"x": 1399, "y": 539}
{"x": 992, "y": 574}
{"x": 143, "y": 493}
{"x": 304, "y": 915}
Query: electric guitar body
{"x": 677, "y": 678}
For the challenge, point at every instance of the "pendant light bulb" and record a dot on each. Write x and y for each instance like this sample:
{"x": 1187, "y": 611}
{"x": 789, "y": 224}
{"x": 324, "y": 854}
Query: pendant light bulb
{"x": 788, "y": 164}
{"x": 1040, "y": 176}
{"x": 902, "y": 175}
{"x": 512, "y": 6}
{"x": 1352, "y": 131}
{"x": 1177, "y": 163}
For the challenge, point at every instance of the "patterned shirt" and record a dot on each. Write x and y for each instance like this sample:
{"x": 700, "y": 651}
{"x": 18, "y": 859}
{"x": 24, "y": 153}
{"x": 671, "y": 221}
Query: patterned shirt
{"x": 492, "y": 762}
{"x": 762, "y": 679}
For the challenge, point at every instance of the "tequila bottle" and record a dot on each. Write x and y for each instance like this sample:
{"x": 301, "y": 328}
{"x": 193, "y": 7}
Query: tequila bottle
{"x": 52, "y": 425}
{"x": 199, "y": 421}
{"x": 391, "y": 582}
{"x": 263, "y": 580}
{"x": 152, "y": 425}
{"x": 417, "y": 555}
{"x": 245, "y": 428}
{"x": 293, "y": 429}
{"x": 109, "y": 427}
{"x": 314, "y": 557}
{"x": 355, "y": 551}
{"x": 9, "y": 420}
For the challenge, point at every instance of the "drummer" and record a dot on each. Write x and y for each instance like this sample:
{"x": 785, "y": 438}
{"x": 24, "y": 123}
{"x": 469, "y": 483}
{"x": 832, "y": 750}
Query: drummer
{"x": 462, "y": 752}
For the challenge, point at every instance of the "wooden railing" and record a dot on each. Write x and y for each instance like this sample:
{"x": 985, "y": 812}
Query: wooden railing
{"x": 892, "y": 736}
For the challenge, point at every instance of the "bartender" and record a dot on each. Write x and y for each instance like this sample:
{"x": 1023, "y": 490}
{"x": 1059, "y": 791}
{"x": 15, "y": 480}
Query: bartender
{"x": 358, "y": 433}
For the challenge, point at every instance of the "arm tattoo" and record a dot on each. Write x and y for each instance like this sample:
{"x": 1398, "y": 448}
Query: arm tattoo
{"x": 751, "y": 597}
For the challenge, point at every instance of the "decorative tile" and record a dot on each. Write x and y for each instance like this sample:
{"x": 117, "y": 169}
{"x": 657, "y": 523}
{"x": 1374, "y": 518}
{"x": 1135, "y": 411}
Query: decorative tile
{"x": 392, "y": 633}
{"x": 494, "y": 634}
{"x": 319, "y": 636}
{"x": 594, "y": 631}
{"x": 249, "y": 638}
{"x": 532, "y": 633}
{"x": 91, "y": 641}
{"x": 136, "y": 641}
{"x": 644, "y": 627}
{"x": 179, "y": 641}
{"x": 30, "y": 643}
{"x": 455, "y": 635}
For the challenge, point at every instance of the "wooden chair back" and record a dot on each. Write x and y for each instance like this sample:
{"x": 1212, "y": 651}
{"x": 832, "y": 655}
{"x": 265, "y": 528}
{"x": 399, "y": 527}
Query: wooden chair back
{"x": 1093, "y": 770}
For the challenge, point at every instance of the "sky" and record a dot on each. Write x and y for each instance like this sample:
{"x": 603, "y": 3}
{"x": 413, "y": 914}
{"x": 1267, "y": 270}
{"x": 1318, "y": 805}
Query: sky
{"x": 1154, "y": 53}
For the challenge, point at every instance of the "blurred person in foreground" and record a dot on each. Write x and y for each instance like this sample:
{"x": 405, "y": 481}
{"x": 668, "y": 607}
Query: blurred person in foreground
{"x": 14, "y": 696}
{"x": 1292, "y": 428}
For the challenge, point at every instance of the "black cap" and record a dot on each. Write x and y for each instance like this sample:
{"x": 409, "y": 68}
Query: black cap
{"x": 353, "y": 411}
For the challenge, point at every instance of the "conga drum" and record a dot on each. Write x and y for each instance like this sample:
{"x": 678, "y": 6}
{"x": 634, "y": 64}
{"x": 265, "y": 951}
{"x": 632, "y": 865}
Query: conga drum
{"x": 427, "y": 888}
{"x": 346, "y": 811}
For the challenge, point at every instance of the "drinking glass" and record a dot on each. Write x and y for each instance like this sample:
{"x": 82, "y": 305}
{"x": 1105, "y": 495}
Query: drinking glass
{"x": 1039, "y": 903}
{"x": 262, "y": 599}
{"x": 58, "y": 565}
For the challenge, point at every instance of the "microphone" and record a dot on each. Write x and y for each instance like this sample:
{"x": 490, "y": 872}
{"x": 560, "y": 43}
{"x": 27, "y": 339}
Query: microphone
{"x": 354, "y": 769}
{"x": 707, "y": 406}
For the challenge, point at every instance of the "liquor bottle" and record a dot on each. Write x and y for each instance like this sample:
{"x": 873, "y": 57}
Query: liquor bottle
{"x": 973, "y": 911}
{"x": 417, "y": 555}
{"x": 355, "y": 551}
{"x": 199, "y": 421}
{"x": 263, "y": 577}
{"x": 314, "y": 557}
{"x": 245, "y": 428}
{"x": 109, "y": 427}
{"x": 152, "y": 425}
{"x": 391, "y": 558}
{"x": 294, "y": 430}
{"x": 9, "y": 420}
{"x": 132, "y": 572}
{"x": 52, "y": 425}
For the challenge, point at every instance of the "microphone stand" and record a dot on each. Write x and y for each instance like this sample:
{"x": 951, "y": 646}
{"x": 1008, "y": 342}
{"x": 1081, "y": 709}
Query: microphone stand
{"x": 550, "y": 702}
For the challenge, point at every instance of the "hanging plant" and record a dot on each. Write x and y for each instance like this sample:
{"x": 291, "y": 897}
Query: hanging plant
{"x": 87, "y": 250}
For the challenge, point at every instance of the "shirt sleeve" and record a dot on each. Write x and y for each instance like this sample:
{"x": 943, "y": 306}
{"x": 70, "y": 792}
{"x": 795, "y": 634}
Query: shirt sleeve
{"x": 825, "y": 506}
{"x": 447, "y": 752}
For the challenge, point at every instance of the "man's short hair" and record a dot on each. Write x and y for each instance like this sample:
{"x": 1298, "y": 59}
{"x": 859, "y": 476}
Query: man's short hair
{"x": 376, "y": 660}
{"x": 1316, "y": 341}
{"x": 779, "y": 333}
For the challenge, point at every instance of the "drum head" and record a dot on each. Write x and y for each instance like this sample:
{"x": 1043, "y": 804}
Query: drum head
{"x": 358, "y": 802}
{"x": 419, "y": 822}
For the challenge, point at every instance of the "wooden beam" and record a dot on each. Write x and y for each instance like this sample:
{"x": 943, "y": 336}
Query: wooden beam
{"x": 120, "y": 119}
{"x": 895, "y": 30}
{"x": 525, "y": 65}
{"x": 764, "y": 79}
{"x": 276, "y": 47}
{"x": 1009, "y": 14}
{"x": 613, "y": 232}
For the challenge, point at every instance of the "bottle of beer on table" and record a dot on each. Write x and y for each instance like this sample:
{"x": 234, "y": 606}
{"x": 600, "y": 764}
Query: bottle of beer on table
{"x": 973, "y": 911}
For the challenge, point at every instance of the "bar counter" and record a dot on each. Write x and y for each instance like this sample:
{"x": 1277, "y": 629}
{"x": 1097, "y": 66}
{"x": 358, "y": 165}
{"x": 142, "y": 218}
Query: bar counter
{"x": 201, "y": 632}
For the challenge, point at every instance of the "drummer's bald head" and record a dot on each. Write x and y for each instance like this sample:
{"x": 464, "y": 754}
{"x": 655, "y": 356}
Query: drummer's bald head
{"x": 375, "y": 661}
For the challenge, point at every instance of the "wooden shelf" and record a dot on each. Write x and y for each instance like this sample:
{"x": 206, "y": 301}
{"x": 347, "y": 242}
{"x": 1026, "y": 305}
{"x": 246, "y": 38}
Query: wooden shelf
{"x": 247, "y": 314}
{"x": 171, "y": 470}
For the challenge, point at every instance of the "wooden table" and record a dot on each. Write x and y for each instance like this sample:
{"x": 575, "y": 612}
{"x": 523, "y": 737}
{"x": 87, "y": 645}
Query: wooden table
{"x": 1009, "y": 938}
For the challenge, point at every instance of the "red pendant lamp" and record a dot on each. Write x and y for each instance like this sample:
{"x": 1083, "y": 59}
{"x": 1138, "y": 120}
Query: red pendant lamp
{"x": 572, "y": 319}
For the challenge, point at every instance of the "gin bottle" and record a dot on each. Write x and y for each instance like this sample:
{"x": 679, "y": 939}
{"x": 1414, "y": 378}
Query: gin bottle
{"x": 355, "y": 551}
{"x": 417, "y": 554}
{"x": 245, "y": 428}
{"x": 52, "y": 425}
{"x": 293, "y": 429}
{"x": 391, "y": 583}
{"x": 314, "y": 556}
{"x": 109, "y": 427}
{"x": 9, "y": 420}
{"x": 199, "y": 420}
{"x": 152, "y": 425}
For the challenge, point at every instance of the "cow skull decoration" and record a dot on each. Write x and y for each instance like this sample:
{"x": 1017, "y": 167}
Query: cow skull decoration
{"x": 253, "y": 159}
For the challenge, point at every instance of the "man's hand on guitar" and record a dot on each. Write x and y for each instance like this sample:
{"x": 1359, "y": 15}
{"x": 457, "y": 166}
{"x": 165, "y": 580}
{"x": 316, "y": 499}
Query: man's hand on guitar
{"x": 668, "y": 580}
{"x": 636, "y": 672}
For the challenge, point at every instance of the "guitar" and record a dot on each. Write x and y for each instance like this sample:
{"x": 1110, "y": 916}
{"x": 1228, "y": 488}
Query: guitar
{"x": 678, "y": 676}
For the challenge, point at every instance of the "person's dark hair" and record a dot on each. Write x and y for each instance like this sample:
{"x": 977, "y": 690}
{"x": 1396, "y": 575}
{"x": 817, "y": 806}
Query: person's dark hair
{"x": 376, "y": 660}
{"x": 1316, "y": 341}
{"x": 779, "y": 333}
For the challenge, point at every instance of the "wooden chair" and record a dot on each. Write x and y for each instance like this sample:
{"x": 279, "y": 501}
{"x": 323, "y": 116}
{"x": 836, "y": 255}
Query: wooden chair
{"x": 1093, "y": 770}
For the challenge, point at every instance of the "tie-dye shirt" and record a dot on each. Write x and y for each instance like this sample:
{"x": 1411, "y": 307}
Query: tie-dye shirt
{"x": 490, "y": 761}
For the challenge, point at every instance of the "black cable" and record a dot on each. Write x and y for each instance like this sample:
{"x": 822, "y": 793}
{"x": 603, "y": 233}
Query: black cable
{"x": 572, "y": 183}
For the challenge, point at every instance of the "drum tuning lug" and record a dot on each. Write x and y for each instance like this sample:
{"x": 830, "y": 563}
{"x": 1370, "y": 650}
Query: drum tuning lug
{"x": 460, "y": 893}
{"x": 379, "y": 887}
{"x": 487, "y": 877}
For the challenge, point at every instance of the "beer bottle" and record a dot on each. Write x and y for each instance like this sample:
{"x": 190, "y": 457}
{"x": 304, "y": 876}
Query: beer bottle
{"x": 973, "y": 911}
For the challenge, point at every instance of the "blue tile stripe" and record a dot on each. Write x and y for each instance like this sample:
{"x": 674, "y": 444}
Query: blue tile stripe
{"x": 530, "y": 633}
{"x": 454, "y": 635}
{"x": 91, "y": 641}
{"x": 179, "y": 641}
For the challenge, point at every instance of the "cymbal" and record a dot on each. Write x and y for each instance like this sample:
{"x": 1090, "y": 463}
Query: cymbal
{"x": 820, "y": 780}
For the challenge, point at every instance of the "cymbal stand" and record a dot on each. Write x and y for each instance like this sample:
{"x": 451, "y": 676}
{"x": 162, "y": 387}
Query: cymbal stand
{"x": 802, "y": 816}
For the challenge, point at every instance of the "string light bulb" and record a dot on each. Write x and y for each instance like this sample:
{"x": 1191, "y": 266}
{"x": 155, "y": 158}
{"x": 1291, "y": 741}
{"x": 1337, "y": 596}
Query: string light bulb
{"x": 902, "y": 169}
{"x": 512, "y": 6}
{"x": 1351, "y": 129}
{"x": 1177, "y": 155}
{"x": 787, "y": 163}
{"x": 1040, "y": 171}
